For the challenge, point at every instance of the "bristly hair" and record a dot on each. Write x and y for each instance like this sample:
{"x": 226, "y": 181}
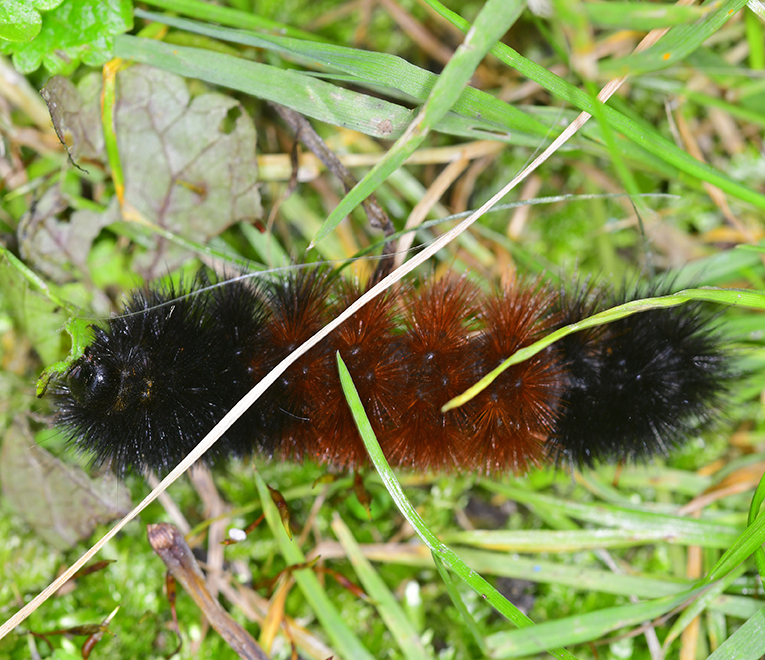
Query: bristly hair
{"x": 155, "y": 380}
{"x": 368, "y": 344}
{"x": 641, "y": 385}
{"x": 435, "y": 348}
{"x": 510, "y": 422}
{"x": 297, "y": 306}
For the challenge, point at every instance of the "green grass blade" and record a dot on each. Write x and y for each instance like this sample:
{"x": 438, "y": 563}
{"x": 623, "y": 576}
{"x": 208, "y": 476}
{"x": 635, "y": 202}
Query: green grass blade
{"x": 581, "y": 578}
{"x": 206, "y": 11}
{"x": 582, "y": 539}
{"x": 637, "y": 16}
{"x": 343, "y": 638}
{"x": 377, "y": 69}
{"x": 385, "y": 602}
{"x": 740, "y": 112}
{"x": 579, "y": 629}
{"x": 700, "y": 604}
{"x": 678, "y": 43}
{"x": 695, "y": 531}
{"x": 650, "y": 140}
{"x": 755, "y": 36}
{"x": 309, "y": 96}
{"x": 744, "y": 546}
{"x": 495, "y": 18}
{"x": 754, "y": 511}
{"x": 467, "y": 617}
{"x": 301, "y": 92}
{"x": 746, "y": 643}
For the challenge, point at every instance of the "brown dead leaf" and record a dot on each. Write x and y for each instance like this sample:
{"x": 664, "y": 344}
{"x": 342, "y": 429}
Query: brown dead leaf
{"x": 189, "y": 164}
{"x": 60, "y": 502}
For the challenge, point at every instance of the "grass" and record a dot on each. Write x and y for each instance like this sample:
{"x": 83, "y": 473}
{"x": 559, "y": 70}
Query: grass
{"x": 640, "y": 561}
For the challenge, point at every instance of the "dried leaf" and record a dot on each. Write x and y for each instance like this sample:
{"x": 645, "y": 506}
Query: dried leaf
{"x": 55, "y": 248}
{"x": 189, "y": 165}
{"x": 283, "y": 508}
{"x": 76, "y": 114}
{"x": 61, "y": 503}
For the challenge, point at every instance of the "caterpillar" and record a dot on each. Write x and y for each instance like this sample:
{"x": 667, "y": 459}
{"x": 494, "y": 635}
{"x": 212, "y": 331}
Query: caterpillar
{"x": 158, "y": 376}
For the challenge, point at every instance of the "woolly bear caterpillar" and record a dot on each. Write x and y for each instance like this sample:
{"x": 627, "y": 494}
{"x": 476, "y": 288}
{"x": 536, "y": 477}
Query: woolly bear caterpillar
{"x": 157, "y": 378}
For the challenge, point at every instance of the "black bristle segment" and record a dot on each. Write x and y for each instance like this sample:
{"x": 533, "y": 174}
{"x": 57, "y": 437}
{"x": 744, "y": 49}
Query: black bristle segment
{"x": 241, "y": 316}
{"x": 640, "y": 385}
{"x": 150, "y": 386}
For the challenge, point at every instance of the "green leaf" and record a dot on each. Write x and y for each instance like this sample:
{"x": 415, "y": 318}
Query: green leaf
{"x": 81, "y": 336}
{"x": 19, "y": 21}
{"x": 74, "y": 31}
{"x": 746, "y": 643}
